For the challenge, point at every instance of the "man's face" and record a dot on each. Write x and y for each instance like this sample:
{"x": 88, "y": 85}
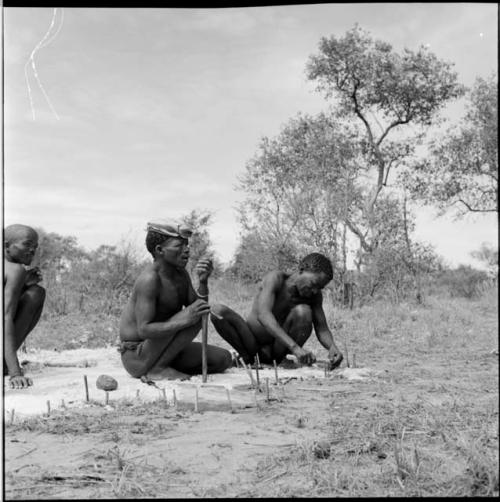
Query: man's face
{"x": 310, "y": 283}
{"x": 176, "y": 251}
{"x": 22, "y": 248}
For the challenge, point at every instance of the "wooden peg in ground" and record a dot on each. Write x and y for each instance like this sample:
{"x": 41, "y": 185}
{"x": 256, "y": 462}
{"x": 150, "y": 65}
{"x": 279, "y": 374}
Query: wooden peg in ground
{"x": 107, "y": 384}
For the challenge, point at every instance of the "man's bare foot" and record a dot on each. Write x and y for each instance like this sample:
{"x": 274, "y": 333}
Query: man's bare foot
{"x": 167, "y": 374}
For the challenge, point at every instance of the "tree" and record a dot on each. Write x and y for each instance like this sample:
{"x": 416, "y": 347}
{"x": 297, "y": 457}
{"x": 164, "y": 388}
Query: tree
{"x": 396, "y": 263}
{"x": 488, "y": 255}
{"x": 256, "y": 255}
{"x": 56, "y": 252}
{"x": 300, "y": 186}
{"x": 200, "y": 243}
{"x": 461, "y": 170}
{"x": 385, "y": 92}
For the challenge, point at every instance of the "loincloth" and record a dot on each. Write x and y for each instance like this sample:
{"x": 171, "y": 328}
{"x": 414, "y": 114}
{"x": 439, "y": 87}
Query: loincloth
{"x": 125, "y": 346}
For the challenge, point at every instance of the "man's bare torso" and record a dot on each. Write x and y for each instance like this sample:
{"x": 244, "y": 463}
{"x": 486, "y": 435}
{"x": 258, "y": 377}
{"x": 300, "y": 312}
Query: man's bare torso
{"x": 171, "y": 296}
{"x": 9, "y": 270}
{"x": 286, "y": 298}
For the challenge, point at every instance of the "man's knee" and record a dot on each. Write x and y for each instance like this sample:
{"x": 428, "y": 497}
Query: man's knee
{"x": 226, "y": 360}
{"x": 302, "y": 313}
{"x": 299, "y": 323}
{"x": 35, "y": 295}
{"x": 218, "y": 310}
{"x": 219, "y": 359}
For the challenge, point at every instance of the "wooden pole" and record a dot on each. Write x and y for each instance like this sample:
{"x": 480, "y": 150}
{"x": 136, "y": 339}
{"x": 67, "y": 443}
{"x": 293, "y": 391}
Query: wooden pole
{"x": 196, "y": 408}
{"x": 346, "y": 354}
{"x": 12, "y": 413}
{"x": 249, "y": 371}
{"x": 48, "y": 408}
{"x": 256, "y": 360}
{"x": 267, "y": 389}
{"x": 204, "y": 343}
{"x": 175, "y": 398}
{"x": 86, "y": 388}
{"x": 276, "y": 372}
{"x": 107, "y": 397}
{"x": 229, "y": 399}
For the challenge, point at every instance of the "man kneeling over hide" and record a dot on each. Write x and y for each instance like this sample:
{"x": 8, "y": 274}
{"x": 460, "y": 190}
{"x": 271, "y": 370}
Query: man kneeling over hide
{"x": 283, "y": 314}
{"x": 156, "y": 332}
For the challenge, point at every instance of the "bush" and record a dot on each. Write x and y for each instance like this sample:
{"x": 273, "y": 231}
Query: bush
{"x": 464, "y": 281}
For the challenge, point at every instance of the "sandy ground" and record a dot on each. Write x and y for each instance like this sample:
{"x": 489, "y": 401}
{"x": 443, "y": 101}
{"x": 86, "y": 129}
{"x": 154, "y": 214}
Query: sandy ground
{"x": 150, "y": 448}
{"x": 187, "y": 453}
{"x": 63, "y": 385}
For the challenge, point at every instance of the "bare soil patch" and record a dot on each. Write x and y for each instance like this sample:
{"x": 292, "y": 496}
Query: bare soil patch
{"x": 424, "y": 422}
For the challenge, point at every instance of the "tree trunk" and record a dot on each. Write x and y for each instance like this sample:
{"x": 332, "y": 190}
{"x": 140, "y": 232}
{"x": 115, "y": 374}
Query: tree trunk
{"x": 412, "y": 265}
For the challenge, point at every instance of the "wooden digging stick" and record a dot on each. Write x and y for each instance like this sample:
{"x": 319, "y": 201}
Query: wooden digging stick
{"x": 204, "y": 343}
{"x": 86, "y": 388}
{"x": 249, "y": 371}
{"x": 257, "y": 363}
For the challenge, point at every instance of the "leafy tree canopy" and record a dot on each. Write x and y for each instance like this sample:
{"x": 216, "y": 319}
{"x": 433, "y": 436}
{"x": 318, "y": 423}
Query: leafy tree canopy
{"x": 461, "y": 168}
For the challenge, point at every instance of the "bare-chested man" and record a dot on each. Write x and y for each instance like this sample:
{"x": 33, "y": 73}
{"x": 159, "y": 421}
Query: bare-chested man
{"x": 23, "y": 297}
{"x": 156, "y": 332}
{"x": 284, "y": 311}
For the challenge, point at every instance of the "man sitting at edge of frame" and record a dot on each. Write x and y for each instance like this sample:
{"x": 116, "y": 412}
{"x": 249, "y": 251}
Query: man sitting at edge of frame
{"x": 24, "y": 298}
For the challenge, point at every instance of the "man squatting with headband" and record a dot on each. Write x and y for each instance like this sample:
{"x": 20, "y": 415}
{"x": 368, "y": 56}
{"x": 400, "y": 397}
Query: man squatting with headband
{"x": 156, "y": 332}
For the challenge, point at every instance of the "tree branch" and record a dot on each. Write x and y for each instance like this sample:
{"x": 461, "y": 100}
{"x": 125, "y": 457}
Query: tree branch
{"x": 389, "y": 165}
{"x": 355, "y": 230}
{"x": 357, "y": 111}
{"x": 475, "y": 210}
{"x": 391, "y": 126}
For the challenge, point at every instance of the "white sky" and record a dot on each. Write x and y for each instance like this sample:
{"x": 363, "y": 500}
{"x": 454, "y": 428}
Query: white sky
{"x": 160, "y": 109}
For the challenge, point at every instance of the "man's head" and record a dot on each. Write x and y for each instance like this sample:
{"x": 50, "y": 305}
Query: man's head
{"x": 21, "y": 243}
{"x": 169, "y": 241}
{"x": 315, "y": 272}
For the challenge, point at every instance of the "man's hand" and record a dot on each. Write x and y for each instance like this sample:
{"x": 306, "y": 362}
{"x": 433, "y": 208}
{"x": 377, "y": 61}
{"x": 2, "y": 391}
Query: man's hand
{"x": 335, "y": 357}
{"x": 192, "y": 313}
{"x": 304, "y": 356}
{"x": 204, "y": 268}
{"x": 20, "y": 382}
{"x": 33, "y": 276}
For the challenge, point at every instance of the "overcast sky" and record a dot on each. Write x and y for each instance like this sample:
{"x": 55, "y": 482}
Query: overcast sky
{"x": 160, "y": 109}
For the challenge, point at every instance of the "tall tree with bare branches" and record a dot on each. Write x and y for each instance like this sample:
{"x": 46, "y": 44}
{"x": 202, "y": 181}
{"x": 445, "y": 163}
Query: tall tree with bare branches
{"x": 393, "y": 96}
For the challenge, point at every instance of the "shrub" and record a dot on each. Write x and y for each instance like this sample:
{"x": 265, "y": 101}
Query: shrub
{"x": 464, "y": 281}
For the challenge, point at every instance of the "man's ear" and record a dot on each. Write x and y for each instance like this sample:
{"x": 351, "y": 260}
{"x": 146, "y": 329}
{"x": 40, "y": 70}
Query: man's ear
{"x": 158, "y": 249}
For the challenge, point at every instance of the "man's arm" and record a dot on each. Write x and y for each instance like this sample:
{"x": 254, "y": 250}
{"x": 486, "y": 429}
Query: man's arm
{"x": 203, "y": 269}
{"x": 271, "y": 284}
{"x": 323, "y": 333}
{"x": 15, "y": 276}
{"x": 147, "y": 288}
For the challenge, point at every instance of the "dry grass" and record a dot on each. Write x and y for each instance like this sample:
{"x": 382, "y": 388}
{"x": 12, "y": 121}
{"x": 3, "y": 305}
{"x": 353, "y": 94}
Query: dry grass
{"x": 431, "y": 426}
{"x": 427, "y": 427}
